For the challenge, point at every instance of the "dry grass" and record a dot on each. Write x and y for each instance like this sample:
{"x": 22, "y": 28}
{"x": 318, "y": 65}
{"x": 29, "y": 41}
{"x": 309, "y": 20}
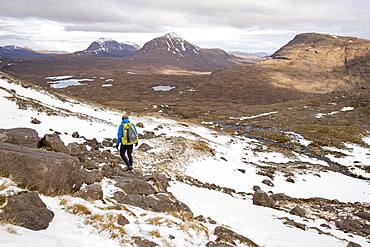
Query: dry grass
{"x": 182, "y": 215}
{"x": 106, "y": 223}
{"x": 159, "y": 221}
{"x": 155, "y": 234}
{"x": 332, "y": 135}
{"x": 79, "y": 209}
{"x": 202, "y": 147}
{"x": 196, "y": 227}
{"x": 63, "y": 202}
{"x": 4, "y": 186}
{"x": 3, "y": 201}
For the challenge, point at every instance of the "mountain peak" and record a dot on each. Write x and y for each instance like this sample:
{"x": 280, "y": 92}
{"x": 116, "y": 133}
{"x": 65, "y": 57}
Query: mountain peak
{"x": 111, "y": 48}
{"x": 103, "y": 40}
{"x": 172, "y": 44}
{"x": 172, "y": 35}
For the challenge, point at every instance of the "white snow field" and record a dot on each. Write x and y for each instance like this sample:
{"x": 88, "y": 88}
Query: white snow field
{"x": 258, "y": 223}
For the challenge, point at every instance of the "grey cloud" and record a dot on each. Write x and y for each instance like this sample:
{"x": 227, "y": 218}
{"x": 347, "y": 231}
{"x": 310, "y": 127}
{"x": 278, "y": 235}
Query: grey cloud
{"x": 144, "y": 15}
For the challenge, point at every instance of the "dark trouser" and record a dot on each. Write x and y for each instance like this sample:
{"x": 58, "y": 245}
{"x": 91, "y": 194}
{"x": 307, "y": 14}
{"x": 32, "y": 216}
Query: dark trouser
{"x": 123, "y": 150}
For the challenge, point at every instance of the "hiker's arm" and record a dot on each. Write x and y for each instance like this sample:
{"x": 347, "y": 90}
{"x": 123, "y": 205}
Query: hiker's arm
{"x": 119, "y": 135}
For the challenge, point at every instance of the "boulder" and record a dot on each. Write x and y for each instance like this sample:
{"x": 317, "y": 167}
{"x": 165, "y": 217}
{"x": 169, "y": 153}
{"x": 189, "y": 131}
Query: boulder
{"x": 297, "y": 210}
{"x": 122, "y": 221}
{"x": 52, "y": 142}
{"x": 295, "y": 224}
{"x": 262, "y": 199}
{"x": 90, "y": 165}
{"x": 280, "y": 197}
{"x": 132, "y": 185}
{"x": 352, "y": 244}
{"x": 44, "y": 171}
{"x": 268, "y": 182}
{"x": 20, "y": 136}
{"x": 158, "y": 180}
{"x": 75, "y": 135}
{"x": 91, "y": 192}
{"x": 94, "y": 144}
{"x": 256, "y": 187}
{"x": 206, "y": 220}
{"x": 144, "y": 147}
{"x": 364, "y": 215}
{"x": 161, "y": 202}
{"x": 140, "y": 242}
{"x": 35, "y": 121}
{"x": 147, "y": 135}
{"x": 112, "y": 170}
{"x": 27, "y": 210}
{"x": 290, "y": 180}
{"x": 229, "y": 237}
{"x": 90, "y": 176}
{"x": 107, "y": 142}
{"x": 76, "y": 149}
{"x": 348, "y": 225}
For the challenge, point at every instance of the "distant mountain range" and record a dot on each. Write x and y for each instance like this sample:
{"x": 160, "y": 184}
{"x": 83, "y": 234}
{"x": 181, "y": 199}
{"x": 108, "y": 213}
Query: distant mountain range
{"x": 19, "y": 52}
{"x": 169, "y": 51}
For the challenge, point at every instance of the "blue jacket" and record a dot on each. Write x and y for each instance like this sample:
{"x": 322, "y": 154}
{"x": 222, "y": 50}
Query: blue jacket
{"x": 120, "y": 130}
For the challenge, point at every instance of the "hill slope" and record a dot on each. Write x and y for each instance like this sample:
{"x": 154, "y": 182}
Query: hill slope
{"x": 322, "y": 63}
{"x": 220, "y": 177}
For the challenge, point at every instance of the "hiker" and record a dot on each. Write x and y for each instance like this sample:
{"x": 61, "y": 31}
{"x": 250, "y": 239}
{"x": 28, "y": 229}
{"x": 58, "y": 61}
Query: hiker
{"x": 127, "y": 137}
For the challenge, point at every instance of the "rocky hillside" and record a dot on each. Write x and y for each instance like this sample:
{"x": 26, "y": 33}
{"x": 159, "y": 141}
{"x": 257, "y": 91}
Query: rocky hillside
{"x": 321, "y": 63}
{"x": 173, "y": 51}
{"x": 109, "y": 48}
{"x": 191, "y": 185}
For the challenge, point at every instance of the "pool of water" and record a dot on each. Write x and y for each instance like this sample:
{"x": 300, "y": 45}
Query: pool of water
{"x": 163, "y": 88}
{"x": 67, "y": 83}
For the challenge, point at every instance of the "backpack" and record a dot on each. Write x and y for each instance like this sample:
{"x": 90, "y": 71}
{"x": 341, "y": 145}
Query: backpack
{"x": 131, "y": 134}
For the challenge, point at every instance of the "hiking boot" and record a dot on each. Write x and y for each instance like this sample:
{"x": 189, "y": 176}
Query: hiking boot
{"x": 130, "y": 168}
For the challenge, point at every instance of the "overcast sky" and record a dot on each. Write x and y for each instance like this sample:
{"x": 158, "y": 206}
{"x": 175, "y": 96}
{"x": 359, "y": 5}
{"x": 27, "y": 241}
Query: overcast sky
{"x": 244, "y": 25}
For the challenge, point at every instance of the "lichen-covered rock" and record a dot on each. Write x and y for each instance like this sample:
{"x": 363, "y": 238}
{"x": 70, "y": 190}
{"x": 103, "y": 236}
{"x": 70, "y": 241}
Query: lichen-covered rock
{"x": 91, "y": 192}
{"x": 144, "y": 147}
{"x": 52, "y": 142}
{"x": 27, "y": 210}
{"x": 20, "y": 136}
{"x": 161, "y": 202}
{"x": 75, "y": 135}
{"x": 132, "y": 185}
{"x": 35, "y": 121}
{"x": 262, "y": 199}
{"x": 297, "y": 210}
{"x": 121, "y": 220}
{"x": 228, "y": 237}
{"x": 76, "y": 149}
{"x": 44, "y": 171}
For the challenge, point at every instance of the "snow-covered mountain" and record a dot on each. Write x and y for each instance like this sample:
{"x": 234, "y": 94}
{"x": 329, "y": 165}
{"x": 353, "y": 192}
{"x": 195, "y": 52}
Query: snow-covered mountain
{"x": 173, "y": 51}
{"x": 110, "y": 48}
{"x": 172, "y": 43}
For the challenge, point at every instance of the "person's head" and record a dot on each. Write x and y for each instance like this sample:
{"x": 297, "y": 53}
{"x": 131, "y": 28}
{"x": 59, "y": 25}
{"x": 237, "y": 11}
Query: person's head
{"x": 124, "y": 116}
